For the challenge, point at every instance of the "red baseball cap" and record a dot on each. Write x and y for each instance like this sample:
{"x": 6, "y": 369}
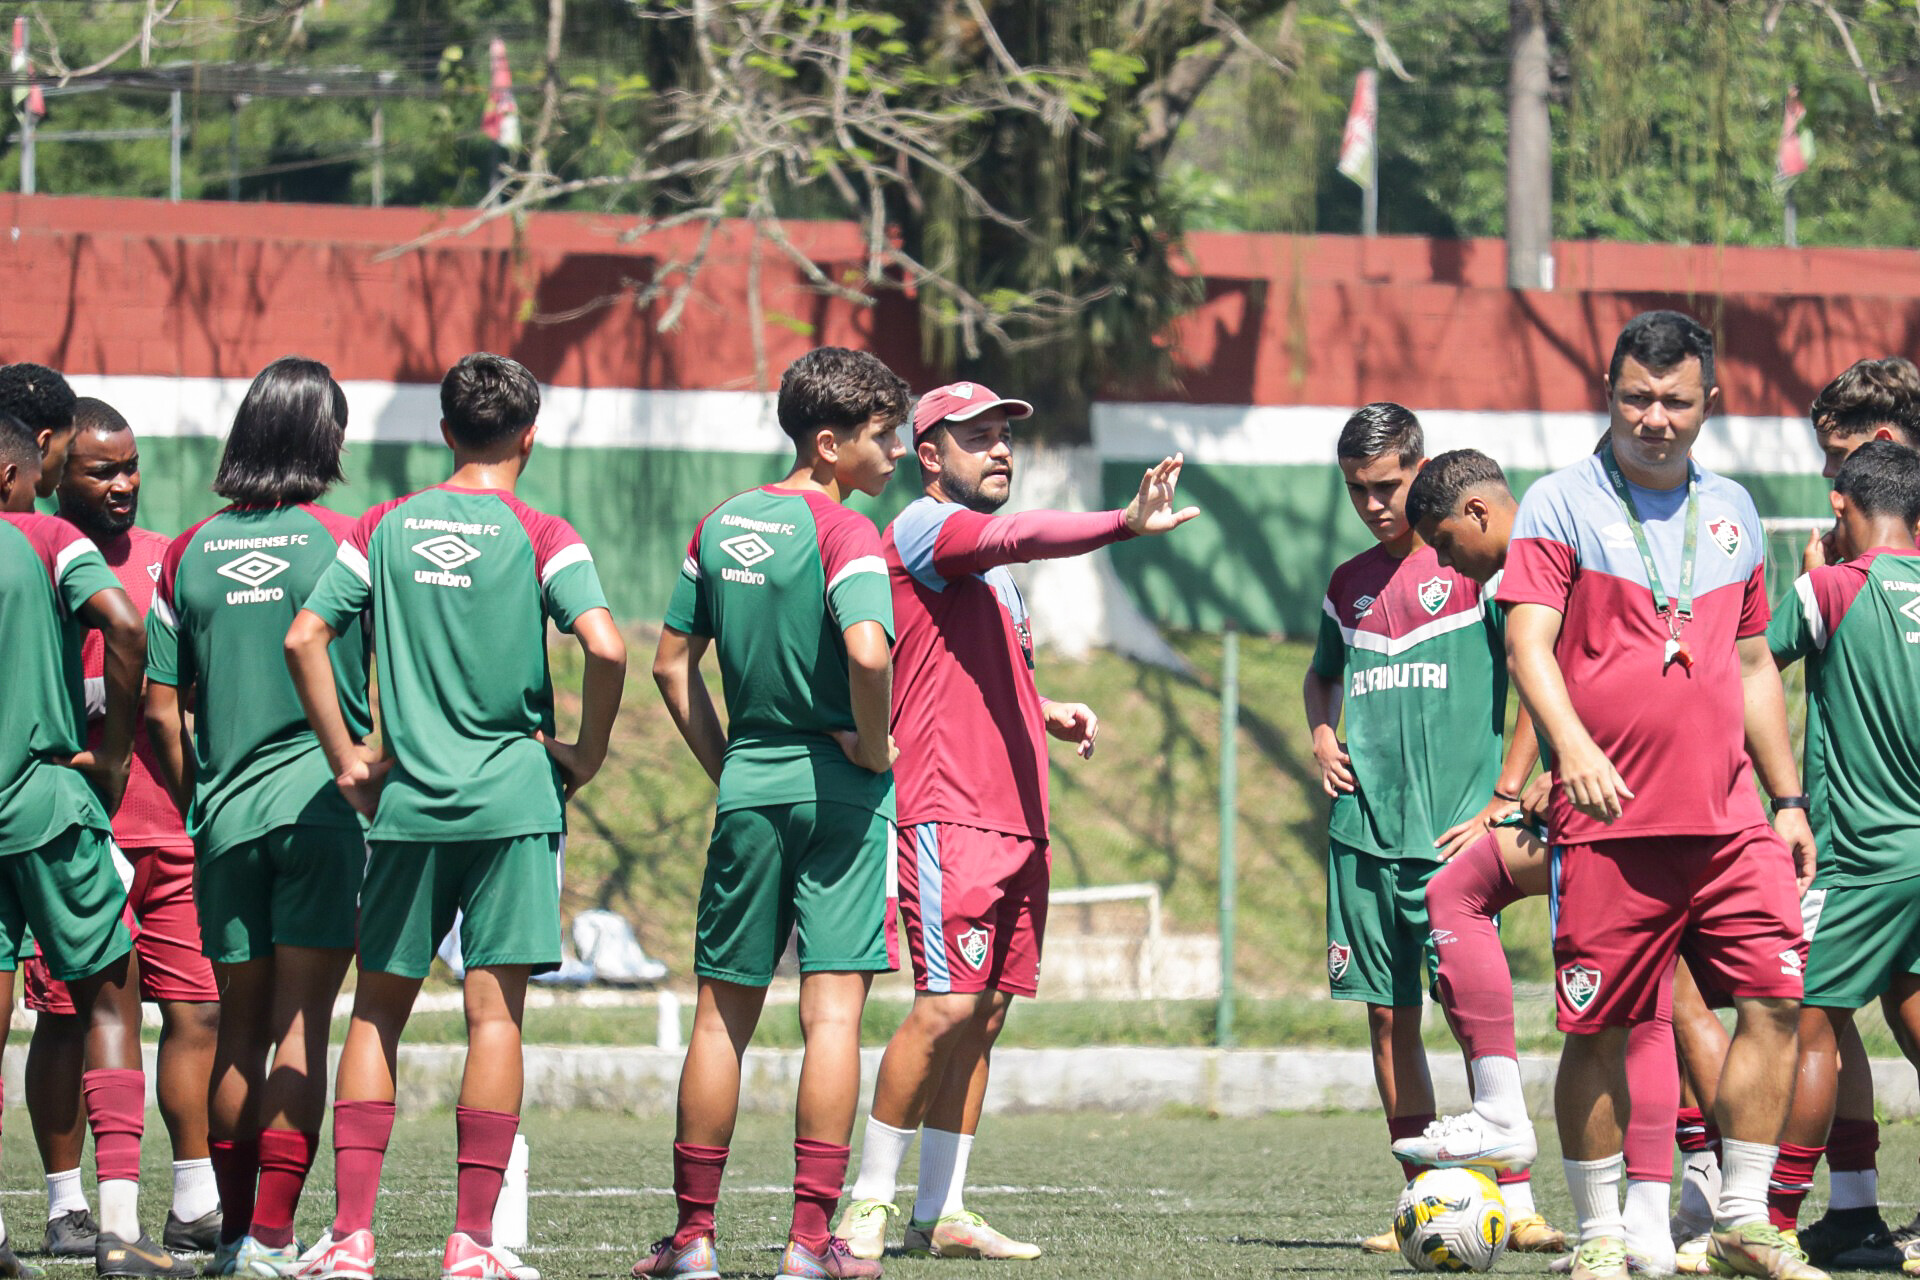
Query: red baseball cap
{"x": 959, "y": 401}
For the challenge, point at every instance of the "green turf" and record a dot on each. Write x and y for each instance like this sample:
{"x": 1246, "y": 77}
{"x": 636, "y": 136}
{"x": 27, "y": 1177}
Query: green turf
{"x": 1107, "y": 1196}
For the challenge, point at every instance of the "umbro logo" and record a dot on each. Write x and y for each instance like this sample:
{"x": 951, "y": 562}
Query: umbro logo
{"x": 748, "y": 548}
{"x": 448, "y": 551}
{"x": 1912, "y": 609}
{"x": 252, "y": 569}
{"x": 1362, "y": 606}
{"x": 153, "y": 571}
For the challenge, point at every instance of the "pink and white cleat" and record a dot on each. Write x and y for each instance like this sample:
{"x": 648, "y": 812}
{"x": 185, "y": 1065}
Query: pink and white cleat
{"x": 468, "y": 1259}
{"x": 330, "y": 1259}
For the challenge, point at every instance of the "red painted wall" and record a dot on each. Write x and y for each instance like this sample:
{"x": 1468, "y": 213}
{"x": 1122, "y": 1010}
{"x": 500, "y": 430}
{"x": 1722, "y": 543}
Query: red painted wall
{"x": 206, "y": 289}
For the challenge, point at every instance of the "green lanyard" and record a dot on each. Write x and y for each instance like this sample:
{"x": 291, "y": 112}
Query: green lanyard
{"x": 1676, "y": 612}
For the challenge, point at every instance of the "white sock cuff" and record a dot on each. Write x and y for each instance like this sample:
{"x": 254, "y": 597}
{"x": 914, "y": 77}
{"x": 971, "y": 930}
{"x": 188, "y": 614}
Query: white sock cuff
{"x": 65, "y": 1193}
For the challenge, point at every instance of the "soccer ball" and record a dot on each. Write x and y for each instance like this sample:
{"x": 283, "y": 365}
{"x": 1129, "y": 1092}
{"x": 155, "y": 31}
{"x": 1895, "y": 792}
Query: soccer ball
{"x": 1451, "y": 1220}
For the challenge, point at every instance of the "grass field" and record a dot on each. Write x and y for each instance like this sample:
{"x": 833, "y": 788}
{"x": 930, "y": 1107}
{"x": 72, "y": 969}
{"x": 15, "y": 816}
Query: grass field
{"x": 1123, "y": 1197}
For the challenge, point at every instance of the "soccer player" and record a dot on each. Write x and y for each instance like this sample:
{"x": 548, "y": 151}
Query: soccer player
{"x": 280, "y": 851}
{"x": 1636, "y": 617}
{"x": 1413, "y": 650}
{"x": 972, "y": 849}
{"x": 41, "y": 399}
{"x": 100, "y": 494}
{"x": 56, "y": 797}
{"x": 469, "y": 806}
{"x": 789, "y": 587}
{"x": 1868, "y": 400}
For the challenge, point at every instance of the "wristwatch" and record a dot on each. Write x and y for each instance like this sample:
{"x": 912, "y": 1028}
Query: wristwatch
{"x": 1790, "y": 802}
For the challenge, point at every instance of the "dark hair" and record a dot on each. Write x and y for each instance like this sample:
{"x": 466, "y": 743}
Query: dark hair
{"x": 1380, "y": 428}
{"x": 838, "y": 388}
{"x": 485, "y": 398}
{"x": 98, "y": 415}
{"x": 1437, "y": 490}
{"x": 1660, "y": 340}
{"x": 286, "y": 438}
{"x": 36, "y": 395}
{"x": 1869, "y": 393}
{"x": 1882, "y": 479}
{"x": 18, "y": 442}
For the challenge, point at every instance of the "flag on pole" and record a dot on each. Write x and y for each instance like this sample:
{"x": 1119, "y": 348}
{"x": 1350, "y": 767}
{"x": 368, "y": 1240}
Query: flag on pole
{"x": 1796, "y": 143}
{"x": 1356, "y": 143}
{"x": 502, "y": 120}
{"x": 26, "y": 97}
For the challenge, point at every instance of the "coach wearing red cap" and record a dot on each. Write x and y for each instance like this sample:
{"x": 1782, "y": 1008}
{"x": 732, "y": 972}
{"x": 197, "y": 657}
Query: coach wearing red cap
{"x": 972, "y": 794}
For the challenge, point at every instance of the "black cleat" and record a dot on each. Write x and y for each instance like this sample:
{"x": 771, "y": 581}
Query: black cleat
{"x": 141, "y": 1259}
{"x": 11, "y": 1268}
{"x": 202, "y": 1235}
{"x": 1858, "y": 1235}
{"x": 71, "y": 1234}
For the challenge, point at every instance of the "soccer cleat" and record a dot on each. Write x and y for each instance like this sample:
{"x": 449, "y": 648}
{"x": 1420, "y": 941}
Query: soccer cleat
{"x": 330, "y": 1259}
{"x": 863, "y": 1225}
{"x": 1531, "y": 1234}
{"x": 964, "y": 1235}
{"x": 1469, "y": 1140}
{"x": 140, "y": 1258}
{"x": 1690, "y": 1256}
{"x": 834, "y": 1263}
{"x": 1603, "y": 1259}
{"x": 11, "y": 1268}
{"x": 202, "y": 1235}
{"x": 1851, "y": 1240}
{"x": 225, "y": 1255}
{"x": 468, "y": 1259}
{"x": 695, "y": 1260}
{"x": 71, "y": 1235}
{"x": 1760, "y": 1249}
{"x": 264, "y": 1261}
{"x": 1385, "y": 1242}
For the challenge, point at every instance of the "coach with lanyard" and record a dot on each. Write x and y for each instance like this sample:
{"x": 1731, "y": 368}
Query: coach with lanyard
{"x": 1636, "y": 636}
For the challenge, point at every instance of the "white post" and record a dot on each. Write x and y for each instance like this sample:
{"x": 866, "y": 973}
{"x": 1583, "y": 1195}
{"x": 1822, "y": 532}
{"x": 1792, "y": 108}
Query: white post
{"x": 173, "y": 130}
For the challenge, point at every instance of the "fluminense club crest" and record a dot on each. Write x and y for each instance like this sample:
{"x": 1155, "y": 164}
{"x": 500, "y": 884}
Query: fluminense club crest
{"x": 1725, "y": 534}
{"x": 1339, "y": 957}
{"x": 973, "y": 946}
{"x": 1579, "y": 985}
{"x": 1434, "y": 593}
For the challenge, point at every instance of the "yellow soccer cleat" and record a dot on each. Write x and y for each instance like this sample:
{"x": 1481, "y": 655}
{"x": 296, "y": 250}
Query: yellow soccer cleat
{"x": 1604, "y": 1259}
{"x": 1531, "y": 1234}
{"x": 1760, "y": 1249}
{"x": 1385, "y": 1242}
{"x": 965, "y": 1235}
{"x": 863, "y": 1225}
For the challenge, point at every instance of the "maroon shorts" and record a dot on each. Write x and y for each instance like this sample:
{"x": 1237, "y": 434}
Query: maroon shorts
{"x": 166, "y": 937}
{"x": 974, "y": 904}
{"x": 1627, "y": 907}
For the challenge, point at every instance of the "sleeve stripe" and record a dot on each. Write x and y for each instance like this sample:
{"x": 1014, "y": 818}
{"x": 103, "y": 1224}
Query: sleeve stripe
{"x": 69, "y": 553}
{"x": 691, "y": 568}
{"x": 564, "y": 558}
{"x": 859, "y": 564}
{"x": 1811, "y": 611}
{"x": 351, "y": 557}
{"x": 165, "y": 610}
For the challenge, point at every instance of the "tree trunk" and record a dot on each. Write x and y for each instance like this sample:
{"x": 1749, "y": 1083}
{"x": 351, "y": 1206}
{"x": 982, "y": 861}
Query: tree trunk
{"x": 1529, "y": 150}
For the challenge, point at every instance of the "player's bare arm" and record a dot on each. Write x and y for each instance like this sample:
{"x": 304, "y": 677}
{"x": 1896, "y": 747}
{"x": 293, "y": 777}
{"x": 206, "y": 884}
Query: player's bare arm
{"x": 600, "y": 688}
{"x": 1523, "y": 752}
{"x": 1152, "y": 510}
{"x": 111, "y": 613}
{"x": 358, "y": 770}
{"x": 1322, "y": 699}
{"x": 167, "y": 731}
{"x": 1593, "y": 786}
{"x": 1071, "y": 722}
{"x": 870, "y": 681}
{"x": 1772, "y": 750}
{"x": 676, "y": 671}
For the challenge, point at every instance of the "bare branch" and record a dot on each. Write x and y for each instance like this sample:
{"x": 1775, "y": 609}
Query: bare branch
{"x": 141, "y": 39}
{"x": 1382, "y": 47}
{"x": 1853, "y": 53}
{"x": 550, "y": 87}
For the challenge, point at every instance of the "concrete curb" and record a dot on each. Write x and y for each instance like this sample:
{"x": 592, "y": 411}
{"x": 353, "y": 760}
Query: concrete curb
{"x": 1230, "y": 1082}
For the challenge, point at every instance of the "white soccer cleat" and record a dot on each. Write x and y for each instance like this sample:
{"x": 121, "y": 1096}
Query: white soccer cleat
{"x": 863, "y": 1225}
{"x": 468, "y": 1259}
{"x": 1470, "y": 1141}
{"x": 1690, "y": 1256}
{"x": 330, "y": 1259}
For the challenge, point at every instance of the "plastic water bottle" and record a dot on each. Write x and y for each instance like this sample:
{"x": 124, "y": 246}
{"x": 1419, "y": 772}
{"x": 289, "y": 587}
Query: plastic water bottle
{"x": 510, "y": 1210}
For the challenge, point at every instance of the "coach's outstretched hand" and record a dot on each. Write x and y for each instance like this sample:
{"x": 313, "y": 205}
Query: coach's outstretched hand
{"x": 1151, "y": 510}
{"x": 1072, "y": 722}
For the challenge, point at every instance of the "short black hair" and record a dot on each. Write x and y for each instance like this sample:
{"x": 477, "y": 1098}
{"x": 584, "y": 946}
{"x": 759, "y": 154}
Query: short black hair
{"x": 36, "y": 395}
{"x": 1446, "y": 478}
{"x": 838, "y": 388}
{"x": 485, "y": 398}
{"x": 286, "y": 438}
{"x": 19, "y": 443}
{"x": 1882, "y": 479}
{"x": 1380, "y": 428}
{"x": 1869, "y": 393}
{"x": 98, "y": 415}
{"x": 1659, "y": 340}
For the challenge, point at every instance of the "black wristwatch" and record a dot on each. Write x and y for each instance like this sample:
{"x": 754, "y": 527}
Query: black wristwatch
{"x": 1790, "y": 802}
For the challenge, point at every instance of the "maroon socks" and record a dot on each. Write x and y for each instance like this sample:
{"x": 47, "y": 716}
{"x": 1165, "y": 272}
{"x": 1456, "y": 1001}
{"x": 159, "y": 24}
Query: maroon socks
{"x": 117, "y": 1113}
{"x": 361, "y": 1131}
{"x": 1791, "y": 1181}
{"x": 1399, "y": 1127}
{"x": 1852, "y": 1144}
{"x": 1654, "y": 1086}
{"x": 819, "y": 1171}
{"x": 286, "y": 1157}
{"x": 696, "y": 1188}
{"x": 1476, "y": 986}
{"x": 236, "y": 1168}
{"x": 486, "y": 1144}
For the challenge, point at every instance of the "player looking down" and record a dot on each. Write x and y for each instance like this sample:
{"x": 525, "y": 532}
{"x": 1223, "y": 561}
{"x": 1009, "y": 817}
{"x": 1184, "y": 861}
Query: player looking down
{"x": 973, "y": 855}
{"x": 41, "y": 399}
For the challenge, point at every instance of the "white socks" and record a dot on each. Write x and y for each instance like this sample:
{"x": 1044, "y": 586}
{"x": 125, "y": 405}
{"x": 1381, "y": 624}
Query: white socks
{"x": 1497, "y": 1096}
{"x": 881, "y": 1152}
{"x": 1699, "y": 1189}
{"x": 1854, "y": 1189}
{"x": 1595, "y": 1186}
{"x": 195, "y": 1194}
{"x": 1745, "y": 1168}
{"x": 65, "y": 1194}
{"x": 1646, "y": 1223}
{"x": 943, "y": 1174}
{"x": 120, "y": 1208}
{"x": 1519, "y": 1200}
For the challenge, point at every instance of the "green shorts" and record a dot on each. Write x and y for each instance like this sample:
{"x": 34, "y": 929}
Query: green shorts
{"x": 1377, "y": 935}
{"x": 72, "y": 896}
{"x": 506, "y": 893}
{"x": 827, "y": 868}
{"x": 1859, "y": 939}
{"x": 294, "y": 886}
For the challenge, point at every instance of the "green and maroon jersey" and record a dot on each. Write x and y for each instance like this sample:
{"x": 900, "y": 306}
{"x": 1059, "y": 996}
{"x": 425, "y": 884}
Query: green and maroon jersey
{"x": 775, "y": 576}
{"x": 1858, "y": 626}
{"x": 461, "y": 583}
{"x": 229, "y": 588}
{"x": 48, "y": 569}
{"x": 1419, "y": 653}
